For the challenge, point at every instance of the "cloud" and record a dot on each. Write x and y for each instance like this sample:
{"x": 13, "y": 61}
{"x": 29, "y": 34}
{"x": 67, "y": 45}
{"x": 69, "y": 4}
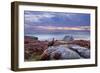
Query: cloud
{"x": 31, "y": 17}
{"x": 73, "y": 16}
{"x": 62, "y": 28}
{"x": 85, "y": 27}
{"x": 39, "y": 17}
{"x": 62, "y": 19}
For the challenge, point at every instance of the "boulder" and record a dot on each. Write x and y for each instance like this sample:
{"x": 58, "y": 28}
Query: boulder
{"x": 46, "y": 54}
{"x": 85, "y": 53}
{"x": 59, "y": 52}
{"x": 68, "y": 38}
{"x": 82, "y": 51}
{"x": 64, "y": 53}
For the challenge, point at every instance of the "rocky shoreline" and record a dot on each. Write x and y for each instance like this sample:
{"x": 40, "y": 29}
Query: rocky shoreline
{"x": 68, "y": 48}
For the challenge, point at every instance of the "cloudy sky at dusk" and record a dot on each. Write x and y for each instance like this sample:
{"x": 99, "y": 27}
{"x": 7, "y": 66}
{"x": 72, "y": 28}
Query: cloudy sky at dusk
{"x": 54, "y": 21}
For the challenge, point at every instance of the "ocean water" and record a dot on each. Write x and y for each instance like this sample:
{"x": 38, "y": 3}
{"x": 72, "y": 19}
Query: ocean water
{"x": 77, "y": 35}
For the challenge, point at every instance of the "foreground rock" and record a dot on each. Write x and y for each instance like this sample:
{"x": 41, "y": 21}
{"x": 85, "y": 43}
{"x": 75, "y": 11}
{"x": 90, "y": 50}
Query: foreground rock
{"x": 82, "y": 51}
{"x": 59, "y": 52}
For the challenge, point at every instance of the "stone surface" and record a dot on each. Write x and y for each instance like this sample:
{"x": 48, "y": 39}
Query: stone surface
{"x": 59, "y": 52}
{"x": 65, "y": 53}
{"x": 68, "y": 38}
{"x": 83, "y": 52}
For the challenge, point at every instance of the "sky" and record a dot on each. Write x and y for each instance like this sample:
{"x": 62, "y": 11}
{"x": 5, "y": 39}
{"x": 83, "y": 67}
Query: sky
{"x": 38, "y": 21}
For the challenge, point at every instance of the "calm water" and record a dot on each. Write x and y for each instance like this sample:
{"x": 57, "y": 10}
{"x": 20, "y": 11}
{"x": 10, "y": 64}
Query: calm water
{"x": 80, "y": 35}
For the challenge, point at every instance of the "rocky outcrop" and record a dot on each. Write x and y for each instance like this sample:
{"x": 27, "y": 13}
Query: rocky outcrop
{"x": 59, "y": 52}
{"x": 62, "y": 52}
{"x": 85, "y": 53}
{"x": 82, "y": 51}
{"x": 68, "y": 38}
